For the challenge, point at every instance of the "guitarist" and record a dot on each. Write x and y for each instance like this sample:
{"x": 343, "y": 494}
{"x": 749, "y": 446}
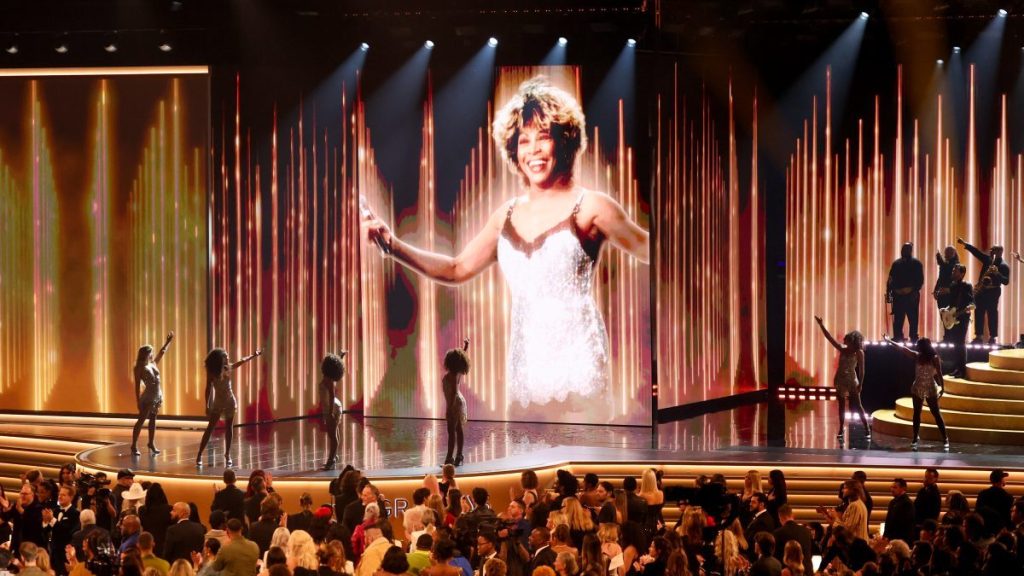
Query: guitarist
{"x": 961, "y": 296}
{"x": 946, "y": 261}
{"x": 995, "y": 273}
{"x": 906, "y": 276}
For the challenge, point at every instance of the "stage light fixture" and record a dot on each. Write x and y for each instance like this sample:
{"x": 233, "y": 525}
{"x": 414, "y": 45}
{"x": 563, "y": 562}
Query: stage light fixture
{"x": 429, "y": 44}
{"x": 492, "y": 42}
{"x": 364, "y": 46}
{"x": 956, "y": 49}
{"x": 12, "y": 49}
{"x": 939, "y": 62}
{"x": 863, "y": 15}
{"x": 562, "y": 40}
{"x": 631, "y": 43}
{"x": 110, "y": 48}
{"x": 61, "y": 48}
{"x": 165, "y": 47}
{"x": 1002, "y": 13}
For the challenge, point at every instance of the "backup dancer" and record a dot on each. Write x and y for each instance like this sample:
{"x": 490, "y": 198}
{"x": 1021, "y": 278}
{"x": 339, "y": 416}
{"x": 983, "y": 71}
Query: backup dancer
{"x": 150, "y": 399}
{"x": 849, "y": 378}
{"x": 332, "y": 368}
{"x": 928, "y": 385}
{"x": 220, "y": 399}
{"x": 456, "y": 365}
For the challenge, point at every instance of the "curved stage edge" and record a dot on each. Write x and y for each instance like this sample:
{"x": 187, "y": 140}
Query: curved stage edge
{"x": 396, "y": 454}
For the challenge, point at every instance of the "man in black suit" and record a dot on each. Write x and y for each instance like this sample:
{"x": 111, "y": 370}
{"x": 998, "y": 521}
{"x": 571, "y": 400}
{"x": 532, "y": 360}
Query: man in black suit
{"x": 231, "y": 500}
{"x": 27, "y": 517}
{"x": 766, "y": 564}
{"x": 997, "y": 499}
{"x": 65, "y": 523}
{"x": 183, "y": 537}
{"x": 899, "y": 518}
{"x": 542, "y": 554}
{"x": 762, "y": 522}
{"x": 353, "y": 514}
{"x": 928, "y": 503}
{"x": 302, "y": 520}
{"x": 636, "y": 507}
{"x": 790, "y": 530}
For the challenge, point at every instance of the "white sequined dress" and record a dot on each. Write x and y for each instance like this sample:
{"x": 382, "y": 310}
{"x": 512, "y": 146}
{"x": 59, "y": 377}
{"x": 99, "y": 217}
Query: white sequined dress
{"x": 557, "y": 340}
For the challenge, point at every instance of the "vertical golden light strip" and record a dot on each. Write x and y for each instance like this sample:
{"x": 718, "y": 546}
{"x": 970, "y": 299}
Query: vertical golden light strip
{"x": 427, "y": 325}
{"x": 100, "y": 222}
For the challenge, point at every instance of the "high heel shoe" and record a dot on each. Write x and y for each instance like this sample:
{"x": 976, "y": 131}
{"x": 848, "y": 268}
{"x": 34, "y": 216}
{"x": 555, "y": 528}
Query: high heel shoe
{"x": 228, "y": 462}
{"x": 458, "y": 460}
{"x": 329, "y": 465}
{"x": 449, "y": 460}
{"x": 154, "y": 449}
{"x": 135, "y": 451}
{"x": 199, "y": 462}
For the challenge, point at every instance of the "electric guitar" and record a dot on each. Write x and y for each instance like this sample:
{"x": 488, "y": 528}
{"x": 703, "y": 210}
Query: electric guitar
{"x": 950, "y": 315}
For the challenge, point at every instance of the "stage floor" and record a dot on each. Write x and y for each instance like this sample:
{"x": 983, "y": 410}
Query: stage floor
{"x": 405, "y": 448}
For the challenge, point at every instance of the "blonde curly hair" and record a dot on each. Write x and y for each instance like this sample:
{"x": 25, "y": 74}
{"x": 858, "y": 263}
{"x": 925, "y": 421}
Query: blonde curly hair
{"x": 549, "y": 108}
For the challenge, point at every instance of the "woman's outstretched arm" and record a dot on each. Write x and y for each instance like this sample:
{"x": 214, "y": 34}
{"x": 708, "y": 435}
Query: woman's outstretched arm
{"x": 481, "y": 252}
{"x": 901, "y": 347}
{"x": 163, "y": 349}
{"x": 613, "y": 222}
{"x": 828, "y": 335}
{"x": 258, "y": 352}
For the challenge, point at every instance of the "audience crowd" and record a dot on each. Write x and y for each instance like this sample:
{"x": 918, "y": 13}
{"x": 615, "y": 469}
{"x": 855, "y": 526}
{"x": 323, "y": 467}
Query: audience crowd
{"x": 77, "y": 525}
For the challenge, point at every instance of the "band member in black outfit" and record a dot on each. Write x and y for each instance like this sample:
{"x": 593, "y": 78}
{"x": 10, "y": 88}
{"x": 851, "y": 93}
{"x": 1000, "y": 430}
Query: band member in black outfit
{"x": 906, "y": 276}
{"x": 961, "y": 295}
{"x": 333, "y": 369}
{"x": 995, "y": 273}
{"x": 945, "y": 261}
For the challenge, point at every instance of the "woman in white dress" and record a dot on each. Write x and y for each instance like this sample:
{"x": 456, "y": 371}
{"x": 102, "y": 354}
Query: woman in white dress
{"x": 547, "y": 241}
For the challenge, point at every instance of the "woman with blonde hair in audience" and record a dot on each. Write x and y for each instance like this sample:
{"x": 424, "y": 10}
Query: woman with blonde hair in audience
{"x": 436, "y": 503}
{"x": 793, "y": 559}
{"x": 654, "y": 497}
{"x": 579, "y": 520}
{"x": 279, "y": 539}
{"x": 447, "y": 481}
{"x": 557, "y": 518}
{"x": 430, "y": 483}
{"x": 302, "y": 556}
{"x": 728, "y": 554}
{"x": 608, "y": 534}
{"x": 565, "y": 564}
{"x": 741, "y": 539}
{"x": 43, "y": 561}
{"x": 429, "y": 522}
{"x": 752, "y": 484}
{"x": 181, "y": 567}
{"x": 495, "y": 567}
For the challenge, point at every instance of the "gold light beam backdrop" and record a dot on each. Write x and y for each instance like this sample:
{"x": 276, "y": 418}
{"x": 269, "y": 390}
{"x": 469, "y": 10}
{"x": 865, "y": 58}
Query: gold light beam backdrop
{"x": 848, "y": 212}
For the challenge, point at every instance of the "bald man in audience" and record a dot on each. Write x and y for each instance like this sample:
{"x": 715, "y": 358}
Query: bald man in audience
{"x": 184, "y": 536}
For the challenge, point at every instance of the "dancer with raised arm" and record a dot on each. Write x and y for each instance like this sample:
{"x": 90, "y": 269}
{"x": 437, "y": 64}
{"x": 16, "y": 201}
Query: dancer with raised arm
{"x": 150, "y": 400}
{"x": 928, "y": 385}
{"x": 849, "y": 377}
{"x": 220, "y": 399}
{"x": 332, "y": 368}
{"x": 456, "y": 365}
{"x": 547, "y": 241}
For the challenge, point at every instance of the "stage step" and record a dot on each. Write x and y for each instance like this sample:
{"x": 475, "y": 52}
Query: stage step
{"x": 1007, "y": 359}
{"x": 983, "y": 372}
{"x": 905, "y": 410}
{"x": 962, "y": 387}
{"x": 981, "y": 405}
{"x": 887, "y": 422}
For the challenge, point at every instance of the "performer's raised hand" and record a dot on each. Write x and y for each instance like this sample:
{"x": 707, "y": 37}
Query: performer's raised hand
{"x": 819, "y": 320}
{"x": 960, "y": 241}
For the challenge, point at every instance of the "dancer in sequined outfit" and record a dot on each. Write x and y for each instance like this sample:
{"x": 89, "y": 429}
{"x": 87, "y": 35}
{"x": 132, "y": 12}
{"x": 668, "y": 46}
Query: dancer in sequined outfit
{"x": 220, "y": 399}
{"x": 928, "y": 385}
{"x": 149, "y": 400}
{"x": 547, "y": 242}
{"x": 849, "y": 378}
{"x": 332, "y": 367}
{"x": 456, "y": 365}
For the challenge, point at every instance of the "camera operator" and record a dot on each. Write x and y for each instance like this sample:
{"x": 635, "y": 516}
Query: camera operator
{"x": 513, "y": 537}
